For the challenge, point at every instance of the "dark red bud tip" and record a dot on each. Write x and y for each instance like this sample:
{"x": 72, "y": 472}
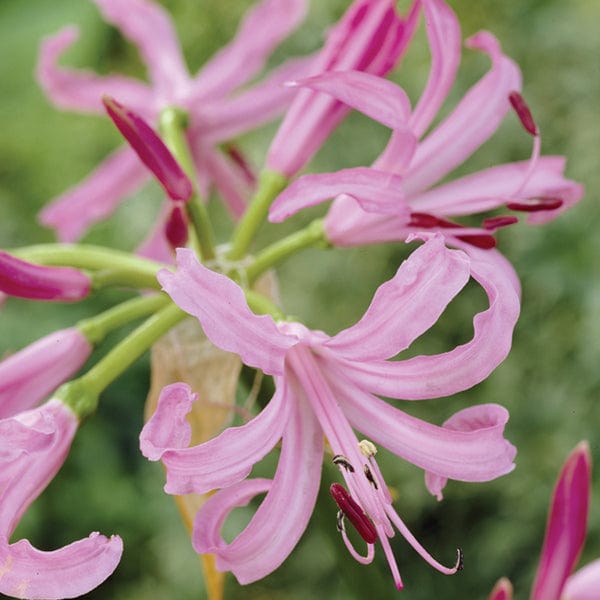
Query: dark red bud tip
{"x": 150, "y": 149}
{"x": 176, "y": 228}
{"x": 354, "y": 513}
{"x": 536, "y": 204}
{"x": 494, "y": 223}
{"x": 523, "y": 112}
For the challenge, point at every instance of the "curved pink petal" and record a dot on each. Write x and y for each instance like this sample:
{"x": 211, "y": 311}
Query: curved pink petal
{"x": 584, "y": 584}
{"x": 466, "y": 365}
{"x": 33, "y": 373}
{"x": 220, "y": 462}
{"x": 246, "y": 55}
{"x": 96, "y": 197}
{"x": 376, "y": 97}
{"x": 150, "y": 28}
{"x": 155, "y": 245}
{"x": 443, "y": 32}
{"x": 220, "y": 306}
{"x": 407, "y": 305}
{"x": 503, "y": 590}
{"x": 477, "y": 455}
{"x": 567, "y": 525}
{"x": 38, "y": 282}
{"x": 66, "y": 573}
{"x": 282, "y": 516}
{"x": 472, "y": 122}
{"x": 74, "y": 89}
{"x": 372, "y": 189}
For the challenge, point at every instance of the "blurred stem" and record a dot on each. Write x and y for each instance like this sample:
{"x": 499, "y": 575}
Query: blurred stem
{"x": 261, "y": 305}
{"x": 173, "y": 123}
{"x": 269, "y": 185}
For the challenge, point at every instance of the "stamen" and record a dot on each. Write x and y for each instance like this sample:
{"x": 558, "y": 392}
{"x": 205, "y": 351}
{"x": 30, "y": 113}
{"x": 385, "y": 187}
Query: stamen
{"x": 367, "y": 448}
{"x": 520, "y": 107}
{"x": 339, "y": 524}
{"x": 354, "y": 513}
{"x": 240, "y": 160}
{"x": 494, "y": 223}
{"x": 370, "y": 477}
{"x": 341, "y": 461}
{"x": 485, "y": 242}
{"x": 536, "y": 204}
{"x": 459, "y": 560}
{"x": 176, "y": 227}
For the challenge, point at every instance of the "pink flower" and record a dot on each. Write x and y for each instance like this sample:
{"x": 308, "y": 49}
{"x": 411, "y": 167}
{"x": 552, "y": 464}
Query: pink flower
{"x": 33, "y": 446}
{"x": 29, "y": 376}
{"x": 565, "y": 536}
{"x": 370, "y": 37}
{"x": 36, "y": 282}
{"x": 410, "y": 166}
{"x": 217, "y": 111}
{"x": 326, "y": 386}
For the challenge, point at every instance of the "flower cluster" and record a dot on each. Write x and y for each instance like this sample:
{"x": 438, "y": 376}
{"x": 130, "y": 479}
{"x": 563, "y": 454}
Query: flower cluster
{"x": 333, "y": 394}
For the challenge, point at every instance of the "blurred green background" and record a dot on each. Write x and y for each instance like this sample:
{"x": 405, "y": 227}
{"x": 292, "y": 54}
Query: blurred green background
{"x": 550, "y": 382}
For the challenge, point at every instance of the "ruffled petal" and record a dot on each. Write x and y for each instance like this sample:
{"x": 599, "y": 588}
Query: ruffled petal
{"x": 407, "y": 305}
{"x": 282, "y": 516}
{"x": 372, "y": 189}
{"x": 96, "y": 197}
{"x": 220, "y": 306}
{"x": 567, "y": 525}
{"x": 472, "y": 122}
{"x": 220, "y": 462}
{"x": 66, "y": 573}
{"x": 81, "y": 91}
{"x": 584, "y": 584}
{"x": 150, "y": 28}
{"x": 246, "y": 55}
{"x": 459, "y": 369}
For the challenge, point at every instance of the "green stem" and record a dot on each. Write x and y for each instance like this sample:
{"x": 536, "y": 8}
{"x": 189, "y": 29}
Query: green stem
{"x": 262, "y": 305}
{"x": 124, "y": 277}
{"x": 173, "y": 123}
{"x": 269, "y": 186}
{"x": 274, "y": 254}
{"x": 96, "y": 328}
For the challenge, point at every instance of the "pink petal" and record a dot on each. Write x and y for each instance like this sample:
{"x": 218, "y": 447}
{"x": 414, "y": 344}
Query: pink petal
{"x": 28, "y": 376}
{"x": 220, "y": 306}
{"x": 282, "y": 516}
{"x": 220, "y": 462}
{"x": 443, "y": 32}
{"x": 155, "y": 245}
{"x": 407, "y": 305}
{"x": 373, "y": 190}
{"x": 66, "y": 573}
{"x": 567, "y": 524}
{"x": 472, "y": 122}
{"x": 150, "y": 28}
{"x": 466, "y": 365}
{"x": 584, "y": 584}
{"x": 151, "y": 150}
{"x": 503, "y": 590}
{"x": 376, "y": 97}
{"x": 37, "y": 282}
{"x": 82, "y": 91}
{"x": 246, "y": 55}
{"x": 96, "y": 197}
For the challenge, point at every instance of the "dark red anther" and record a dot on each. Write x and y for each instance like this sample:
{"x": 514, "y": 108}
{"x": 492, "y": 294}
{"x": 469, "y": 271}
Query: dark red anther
{"x": 354, "y": 513}
{"x": 483, "y": 241}
{"x": 240, "y": 160}
{"x": 494, "y": 223}
{"x": 427, "y": 221}
{"x": 176, "y": 227}
{"x": 523, "y": 112}
{"x": 536, "y": 204}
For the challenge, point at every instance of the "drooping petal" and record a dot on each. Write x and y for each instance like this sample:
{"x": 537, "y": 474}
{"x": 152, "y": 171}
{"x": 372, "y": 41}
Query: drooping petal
{"x": 282, "y": 516}
{"x": 407, "y": 305}
{"x": 69, "y": 572}
{"x": 96, "y": 197}
{"x": 220, "y": 306}
{"x": 374, "y": 96}
{"x": 82, "y": 91}
{"x": 584, "y": 584}
{"x": 567, "y": 525}
{"x": 33, "y": 373}
{"x": 150, "y": 28}
{"x": 217, "y": 463}
{"x": 372, "y": 189}
{"x": 443, "y": 32}
{"x": 37, "y": 282}
{"x": 503, "y": 590}
{"x": 472, "y": 122}
{"x": 246, "y": 55}
{"x": 466, "y": 365}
